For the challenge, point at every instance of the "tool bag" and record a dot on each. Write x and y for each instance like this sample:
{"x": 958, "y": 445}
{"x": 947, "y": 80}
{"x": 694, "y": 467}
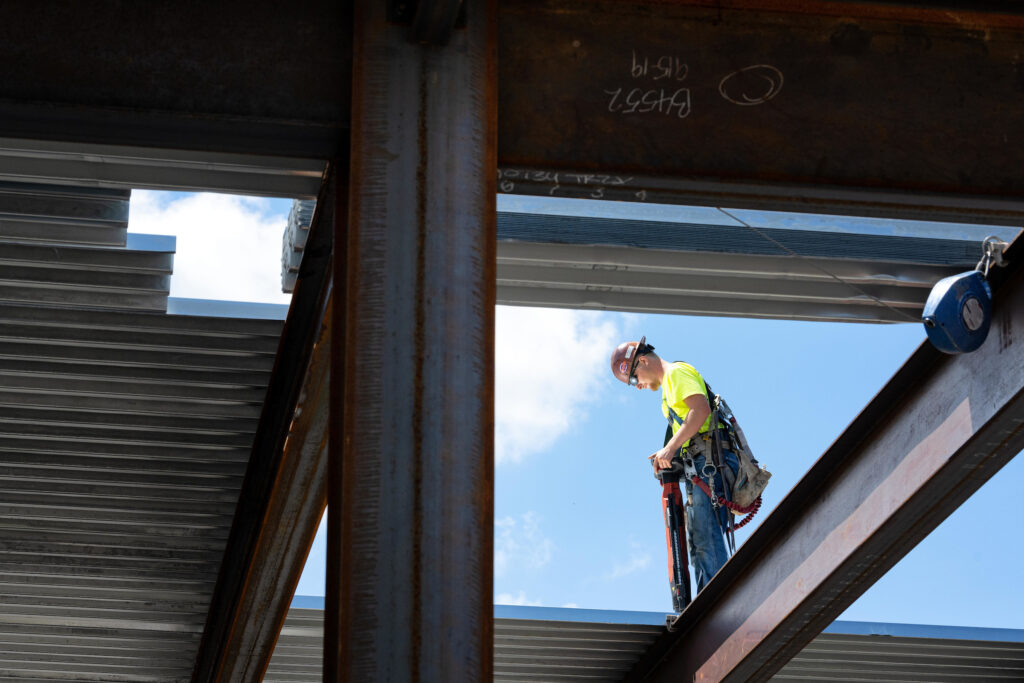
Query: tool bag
{"x": 751, "y": 480}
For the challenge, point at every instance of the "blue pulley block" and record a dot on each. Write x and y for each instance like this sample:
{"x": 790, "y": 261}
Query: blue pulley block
{"x": 958, "y": 312}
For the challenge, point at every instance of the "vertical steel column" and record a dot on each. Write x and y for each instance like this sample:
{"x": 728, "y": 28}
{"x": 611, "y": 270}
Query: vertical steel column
{"x": 411, "y": 532}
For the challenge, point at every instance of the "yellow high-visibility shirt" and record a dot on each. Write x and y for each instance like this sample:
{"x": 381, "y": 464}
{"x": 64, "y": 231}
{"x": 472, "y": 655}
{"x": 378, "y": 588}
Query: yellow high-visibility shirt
{"x": 680, "y": 382}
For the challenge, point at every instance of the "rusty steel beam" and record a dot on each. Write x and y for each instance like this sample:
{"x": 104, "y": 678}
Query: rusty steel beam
{"x": 877, "y": 109}
{"x": 283, "y": 492}
{"x": 880, "y": 109}
{"x": 410, "y": 517}
{"x": 834, "y": 107}
{"x": 227, "y": 76}
{"x": 939, "y": 429}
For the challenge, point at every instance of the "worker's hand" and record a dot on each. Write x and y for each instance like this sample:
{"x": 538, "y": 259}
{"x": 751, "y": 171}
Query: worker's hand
{"x": 661, "y": 460}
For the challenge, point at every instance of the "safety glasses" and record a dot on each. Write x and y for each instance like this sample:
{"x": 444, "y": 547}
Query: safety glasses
{"x": 641, "y": 349}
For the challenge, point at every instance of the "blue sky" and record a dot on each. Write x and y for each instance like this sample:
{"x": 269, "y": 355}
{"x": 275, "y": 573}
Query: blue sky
{"x": 577, "y": 512}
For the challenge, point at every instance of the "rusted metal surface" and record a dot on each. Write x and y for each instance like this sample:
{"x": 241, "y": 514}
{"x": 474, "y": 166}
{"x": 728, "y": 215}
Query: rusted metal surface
{"x": 336, "y": 440}
{"x": 414, "y": 546}
{"x": 435, "y": 20}
{"x": 934, "y": 434}
{"x": 224, "y": 76}
{"x": 842, "y": 107}
{"x": 282, "y": 495}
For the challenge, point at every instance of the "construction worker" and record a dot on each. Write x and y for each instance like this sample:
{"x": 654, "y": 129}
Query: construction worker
{"x": 684, "y": 403}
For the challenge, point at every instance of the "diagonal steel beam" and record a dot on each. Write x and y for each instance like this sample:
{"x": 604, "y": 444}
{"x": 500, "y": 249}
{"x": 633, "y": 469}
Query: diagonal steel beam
{"x": 934, "y": 434}
{"x": 283, "y": 492}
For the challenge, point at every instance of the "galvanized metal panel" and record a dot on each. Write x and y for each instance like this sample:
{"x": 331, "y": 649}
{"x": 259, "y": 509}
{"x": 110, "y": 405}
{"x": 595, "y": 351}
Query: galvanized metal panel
{"x": 49, "y": 253}
{"x": 61, "y": 215}
{"x": 886, "y": 659}
{"x": 551, "y": 649}
{"x": 719, "y": 270}
{"x": 124, "y": 437}
{"x": 293, "y": 241}
{"x": 524, "y": 650}
{"x": 121, "y": 166}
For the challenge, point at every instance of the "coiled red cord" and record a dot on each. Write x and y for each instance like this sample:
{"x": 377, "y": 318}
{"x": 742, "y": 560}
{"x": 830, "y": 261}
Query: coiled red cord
{"x": 749, "y": 510}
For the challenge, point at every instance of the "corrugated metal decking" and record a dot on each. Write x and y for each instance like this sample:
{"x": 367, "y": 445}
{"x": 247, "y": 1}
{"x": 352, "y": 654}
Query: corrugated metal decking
{"x": 524, "y": 649}
{"x": 124, "y": 167}
{"x": 840, "y": 658}
{"x": 63, "y": 215}
{"x": 718, "y": 270}
{"x": 551, "y": 649}
{"x": 124, "y": 437}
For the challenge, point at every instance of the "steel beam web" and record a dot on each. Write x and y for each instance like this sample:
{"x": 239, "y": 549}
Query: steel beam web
{"x": 934, "y": 434}
{"x": 412, "y": 546}
{"x": 829, "y": 107}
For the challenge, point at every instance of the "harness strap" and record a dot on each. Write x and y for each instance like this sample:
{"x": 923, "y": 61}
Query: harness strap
{"x": 710, "y": 445}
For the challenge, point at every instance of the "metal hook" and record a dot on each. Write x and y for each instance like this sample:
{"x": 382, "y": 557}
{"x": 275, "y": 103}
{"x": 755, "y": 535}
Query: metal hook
{"x": 992, "y": 254}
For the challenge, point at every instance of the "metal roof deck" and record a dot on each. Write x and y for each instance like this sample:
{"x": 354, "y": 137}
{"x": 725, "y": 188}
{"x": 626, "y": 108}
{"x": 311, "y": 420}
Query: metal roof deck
{"x": 560, "y": 644}
{"x": 703, "y": 269}
{"x": 720, "y": 270}
{"x": 124, "y": 438}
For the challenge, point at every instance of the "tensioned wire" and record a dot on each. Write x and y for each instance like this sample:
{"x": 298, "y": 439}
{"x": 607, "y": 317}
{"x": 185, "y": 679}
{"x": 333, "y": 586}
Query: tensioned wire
{"x": 816, "y": 266}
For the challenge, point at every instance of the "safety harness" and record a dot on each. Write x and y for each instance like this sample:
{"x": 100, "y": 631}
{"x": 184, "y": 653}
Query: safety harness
{"x": 710, "y": 445}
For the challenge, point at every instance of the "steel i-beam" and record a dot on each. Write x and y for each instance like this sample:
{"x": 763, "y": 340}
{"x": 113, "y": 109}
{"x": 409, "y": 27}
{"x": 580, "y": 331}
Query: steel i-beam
{"x": 934, "y": 434}
{"x": 410, "y": 551}
{"x": 853, "y": 108}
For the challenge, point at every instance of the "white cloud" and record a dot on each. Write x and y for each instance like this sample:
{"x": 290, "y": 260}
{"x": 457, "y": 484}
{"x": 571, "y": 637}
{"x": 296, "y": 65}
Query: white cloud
{"x": 520, "y": 599}
{"x": 637, "y": 561}
{"x": 520, "y": 544}
{"x": 550, "y": 365}
{"x": 229, "y": 247}
{"x": 571, "y": 605}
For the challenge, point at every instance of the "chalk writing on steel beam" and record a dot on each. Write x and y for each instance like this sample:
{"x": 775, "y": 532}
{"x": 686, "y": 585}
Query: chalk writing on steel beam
{"x": 656, "y": 87}
{"x": 643, "y": 99}
{"x": 751, "y": 85}
{"x": 592, "y": 185}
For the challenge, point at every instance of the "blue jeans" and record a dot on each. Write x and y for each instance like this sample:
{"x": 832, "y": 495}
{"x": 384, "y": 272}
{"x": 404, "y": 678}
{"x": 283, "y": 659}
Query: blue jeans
{"x": 704, "y": 531}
